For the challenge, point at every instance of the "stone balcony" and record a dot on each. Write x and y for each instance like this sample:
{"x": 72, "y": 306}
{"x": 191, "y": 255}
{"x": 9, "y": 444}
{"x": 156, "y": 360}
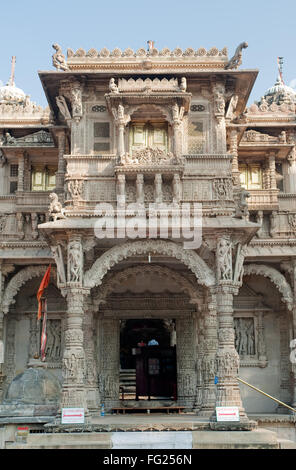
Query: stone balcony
{"x": 263, "y": 199}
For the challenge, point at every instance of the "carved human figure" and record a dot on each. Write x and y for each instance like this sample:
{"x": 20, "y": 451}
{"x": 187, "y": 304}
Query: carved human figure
{"x": 77, "y": 102}
{"x": 224, "y": 259}
{"x": 273, "y": 224}
{"x": 177, "y": 189}
{"x": 219, "y": 103}
{"x": 58, "y": 257}
{"x": 20, "y": 225}
{"x": 232, "y": 107}
{"x": 75, "y": 261}
{"x": 63, "y": 107}
{"x": 34, "y": 220}
{"x": 259, "y": 220}
{"x": 239, "y": 265}
{"x": 158, "y": 188}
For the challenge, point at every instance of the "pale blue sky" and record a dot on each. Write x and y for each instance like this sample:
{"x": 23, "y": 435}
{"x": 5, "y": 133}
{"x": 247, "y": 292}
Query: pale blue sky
{"x": 29, "y": 28}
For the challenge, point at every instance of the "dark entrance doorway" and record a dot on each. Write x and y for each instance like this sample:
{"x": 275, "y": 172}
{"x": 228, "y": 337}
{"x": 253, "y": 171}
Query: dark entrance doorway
{"x": 148, "y": 359}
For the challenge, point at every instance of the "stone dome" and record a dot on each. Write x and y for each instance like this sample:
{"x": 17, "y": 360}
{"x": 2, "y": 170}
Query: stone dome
{"x": 10, "y": 94}
{"x": 35, "y": 386}
{"x": 280, "y": 93}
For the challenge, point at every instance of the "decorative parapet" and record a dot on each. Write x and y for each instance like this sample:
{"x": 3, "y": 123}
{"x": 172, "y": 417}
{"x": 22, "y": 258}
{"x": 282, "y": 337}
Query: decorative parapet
{"x": 256, "y": 136}
{"x": 264, "y": 109}
{"x": 130, "y": 53}
{"x": 155, "y": 85}
{"x": 154, "y": 58}
{"x": 28, "y": 111}
{"x": 149, "y": 156}
{"x": 38, "y": 139}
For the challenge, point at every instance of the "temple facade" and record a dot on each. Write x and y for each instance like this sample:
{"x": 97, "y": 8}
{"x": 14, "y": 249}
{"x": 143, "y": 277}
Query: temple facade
{"x": 85, "y": 186}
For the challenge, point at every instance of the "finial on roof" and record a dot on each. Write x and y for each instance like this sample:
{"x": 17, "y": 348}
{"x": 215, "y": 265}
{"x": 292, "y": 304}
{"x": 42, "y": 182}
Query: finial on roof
{"x": 11, "y": 79}
{"x": 280, "y": 61}
{"x": 150, "y": 45}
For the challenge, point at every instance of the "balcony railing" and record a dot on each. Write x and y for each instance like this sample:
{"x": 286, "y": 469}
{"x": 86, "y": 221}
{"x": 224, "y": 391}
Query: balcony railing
{"x": 263, "y": 199}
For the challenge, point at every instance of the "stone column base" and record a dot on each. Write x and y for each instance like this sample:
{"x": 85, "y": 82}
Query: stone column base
{"x": 244, "y": 425}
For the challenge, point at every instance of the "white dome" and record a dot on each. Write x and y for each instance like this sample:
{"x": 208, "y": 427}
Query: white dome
{"x": 10, "y": 94}
{"x": 280, "y": 92}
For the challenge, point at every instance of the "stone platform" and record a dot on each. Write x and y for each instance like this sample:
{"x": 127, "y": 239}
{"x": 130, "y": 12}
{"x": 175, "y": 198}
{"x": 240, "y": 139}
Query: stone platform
{"x": 142, "y": 431}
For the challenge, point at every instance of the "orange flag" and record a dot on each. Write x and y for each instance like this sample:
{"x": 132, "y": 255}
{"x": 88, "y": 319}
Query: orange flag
{"x": 43, "y": 285}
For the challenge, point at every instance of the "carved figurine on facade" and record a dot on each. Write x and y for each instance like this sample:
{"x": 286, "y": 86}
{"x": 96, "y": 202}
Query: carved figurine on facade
{"x": 63, "y": 107}
{"x": 242, "y": 205}
{"x": 75, "y": 261}
{"x": 56, "y": 211}
{"x": 58, "y": 257}
{"x": 112, "y": 86}
{"x": 58, "y": 58}
{"x": 236, "y": 60}
{"x": 224, "y": 259}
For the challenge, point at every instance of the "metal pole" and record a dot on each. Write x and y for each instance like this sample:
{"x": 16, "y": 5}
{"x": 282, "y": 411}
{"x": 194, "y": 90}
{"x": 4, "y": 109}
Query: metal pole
{"x": 266, "y": 394}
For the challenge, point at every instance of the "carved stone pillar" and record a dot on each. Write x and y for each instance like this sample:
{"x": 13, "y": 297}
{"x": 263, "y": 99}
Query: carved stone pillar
{"x": 209, "y": 355}
{"x": 91, "y": 374}
{"x": 293, "y": 277}
{"x": 199, "y": 361}
{"x": 177, "y": 192}
{"x": 186, "y": 361}
{"x": 120, "y": 188}
{"x": 158, "y": 188}
{"x": 233, "y": 149}
{"x": 291, "y": 177}
{"x": 121, "y": 120}
{"x": 74, "y": 392}
{"x": 140, "y": 189}
{"x": 227, "y": 358}
{"x": 60, "y": 175}
{"x": 21, "y": 172}
{"x": 1, "y": 335}
{"x": 109, "y": 362}
{"x": 219, "y": 113}
{"x": 272, "y": 173}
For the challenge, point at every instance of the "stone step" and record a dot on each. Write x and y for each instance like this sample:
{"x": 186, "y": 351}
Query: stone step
{"x": 286, "y": 444}
{"x": 64, "y": 441}
{"x": 257, "y": 439}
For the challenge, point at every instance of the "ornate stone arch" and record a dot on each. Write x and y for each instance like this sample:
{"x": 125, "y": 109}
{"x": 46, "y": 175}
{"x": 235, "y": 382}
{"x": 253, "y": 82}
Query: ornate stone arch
{"x": 93, "y": 277}
{"x": 17, "y": 281}
{"x": 276, "y": 278}
{"x": 116, "y": 279}
{"x": 164, "y": 110}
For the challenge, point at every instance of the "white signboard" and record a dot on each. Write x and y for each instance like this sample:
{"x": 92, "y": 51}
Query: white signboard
{"x": 227, "y": 413}
{"x": 72, "y": 415}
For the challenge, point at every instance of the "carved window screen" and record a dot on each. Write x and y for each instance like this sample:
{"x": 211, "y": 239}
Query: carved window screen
{"x": 13, "y": 177}
{"x": 102, "y": 137}
{"x": 196, "y": 137}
